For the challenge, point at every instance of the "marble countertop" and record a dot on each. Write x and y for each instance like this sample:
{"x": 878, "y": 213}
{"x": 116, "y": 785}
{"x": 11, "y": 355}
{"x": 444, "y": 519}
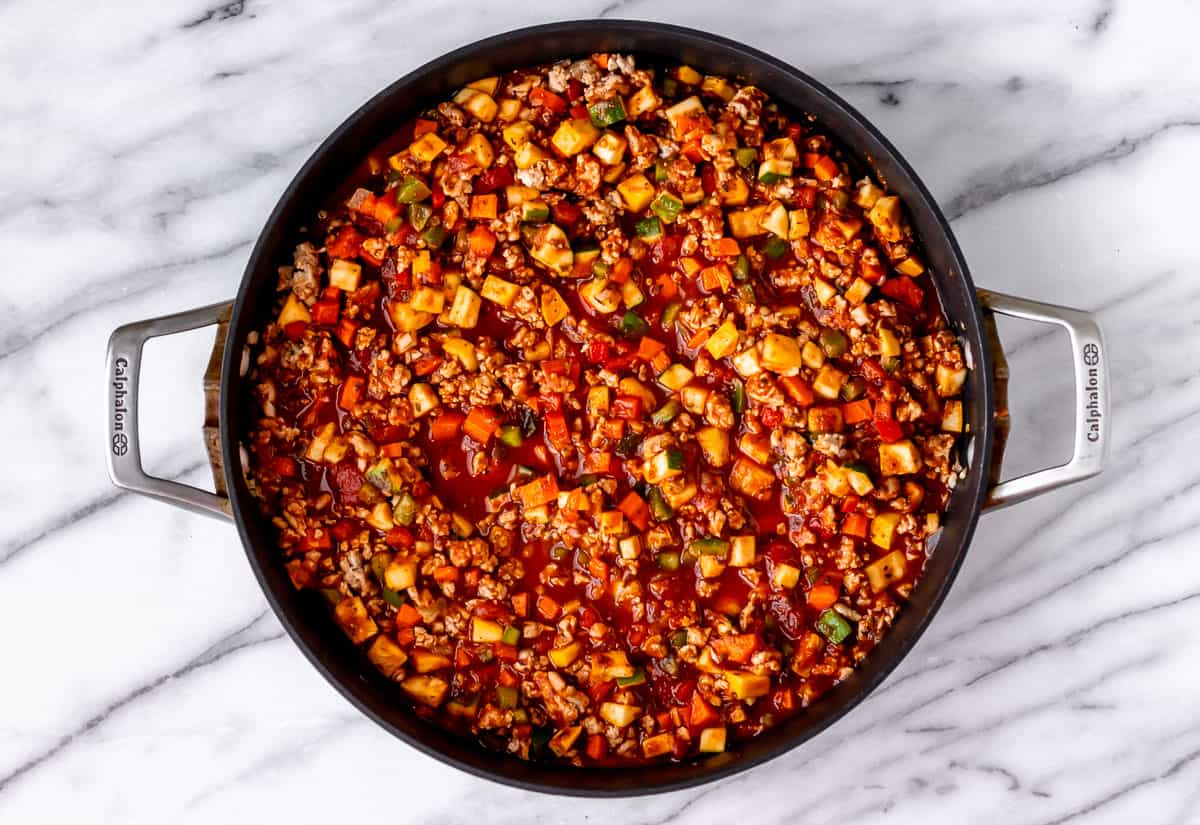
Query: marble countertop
{"x": 143, "y": 144}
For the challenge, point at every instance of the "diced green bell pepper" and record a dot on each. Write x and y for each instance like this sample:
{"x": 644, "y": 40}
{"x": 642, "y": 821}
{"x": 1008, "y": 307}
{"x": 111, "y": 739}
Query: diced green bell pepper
{"x": 607, "y": 112}
{"x": 833, "y": 627}
{"x": 666, "y": 206}
{"x": 633, "y": 326}
{"x": 665, "y": 414}
{"x": 658, "y": 505}
{"x": 419, "y": 215}
{"x": 667, "y": 560}
{"x": 711, "y": 547}
{"x": 511, "y": 435}
{"x": 412, "y": 189}
{"x": 774, "y": 248}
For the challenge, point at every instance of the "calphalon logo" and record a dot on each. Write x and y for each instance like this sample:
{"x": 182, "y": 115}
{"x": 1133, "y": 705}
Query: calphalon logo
{"x": 120, "y": 441}
{"x": 1091, "y": 391}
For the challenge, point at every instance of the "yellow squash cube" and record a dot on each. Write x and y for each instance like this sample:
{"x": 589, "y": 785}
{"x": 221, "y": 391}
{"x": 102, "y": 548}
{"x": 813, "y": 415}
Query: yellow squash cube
{"x": 637, "y": 192}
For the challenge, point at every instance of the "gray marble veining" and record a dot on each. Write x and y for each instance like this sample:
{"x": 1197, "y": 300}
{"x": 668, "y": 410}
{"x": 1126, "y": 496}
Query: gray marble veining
{"x": 141, "y": 146}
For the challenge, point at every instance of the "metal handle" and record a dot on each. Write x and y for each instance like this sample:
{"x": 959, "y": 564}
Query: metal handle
{"x": 124, "y": 450}
{"x": 1091, "y": 398}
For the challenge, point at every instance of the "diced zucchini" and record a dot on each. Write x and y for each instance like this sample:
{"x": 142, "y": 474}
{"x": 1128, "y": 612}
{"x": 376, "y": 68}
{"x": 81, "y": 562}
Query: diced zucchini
{"x": 858, "y": 291}
{"x": 742, "y": 551}
{"x": 574, "y": 136}
{"x": 554, "y": 308}
{"x": 667, "y": 207}
{"x": 428, "y": 690}
{"x": 745, "y": 223}
{"x": 812, "y": 356}
{"x": 747, "y": 363}
{"x": 825, "y": 291}
{"x": 478, "y": 147}
{"x": 563, "y": 656}
{"x": 734, "y": 191}
{"x": 294, "y": 311}
{"x": 886, "y": 217}
{"x": 609, "y": 148}
{"x": 712, "y": 740}
{"x": 649, "y": 228}
{"x": 952, "y": 417}
{"x": 352, "y": 615}
{"x": 632, "y": 294}
{"x": 882, "y": 572}
{"x": 750, "y": 479}
{"x": 797, "y": 224}
{"x": 744, "y": 685}
{"x": 774, "y": 170}
{"x": 463, "y": 352}
{"x": 480, "y": 104}
{"x": 528, "y": 155}
{"x": 564, "y": 739}
{"x": 549, "y": 246}
{"x": 386, "y": 655}
{"x": 676, "y": 492}
{"x": 786, "y": 576}
{"x": 899, "y": 458}
{"x": 618, "y": 714}
{"x": 781, "y": 354}
{"x": 910, "y": 266}
{"x": 889, "y": 344}
{"x": 344, "y": 275}
{"x": 606, "y": 112}
{"x": 950, "y": 381}
{"x": 400, "y": 575}
{"x": 783, "y": 148}
{"x": 828, "y": 383}
{"x": 464, "y": 312}
{"x": 518, "y": 134}
{"x": 689, "y": 107}
{"x": 630, "y": 547}
{"x": 757, "y": 447}
{"x": 499, "y": 290}
{"x": 714, "y": 442}
{"x": 833, "y": 626}
{"x": 597, "y": 400}
{"x": 425, "y": 661}
{"x": 775, "y": 219}
{"x": 423, "y": 399}
{"x": 534, "y": 211}
{"x": 718, "y": 86}
{"x": 657, "y": 468}
{"x": 693, "y": 399}
{"x": 642, "y": 101}
{"x": 858, "y": 479}
{"x": 487, "y": 85}
{"x": 612, "y": 664}
{"x": 637, "y": 192}
{"x": 427, "y": 147}
{"x": 724, "y": 340}
{"x": 883, "y": 529}
{"x": 675, "y": 377}
{"x": 427, "y": 299}
{"x": 711, "y": 567}
{"x": 486, "y": 631}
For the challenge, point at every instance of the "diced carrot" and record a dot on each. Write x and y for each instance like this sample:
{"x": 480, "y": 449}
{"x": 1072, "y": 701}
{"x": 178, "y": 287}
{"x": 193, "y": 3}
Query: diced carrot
{"x": 667, "y": 287}
{"x": 481, "y": 424}
{"x": 325, "y": 312}
{"x": 556, "y": 431}
{"x": 344, "y": 244}
{"x": 520, "y": 604}
{"x": 826, "y": 168}
{"x": 423, "y": 126}
{"x": 401, "y": 538}
{"x": 735, "y": 647}
{"x": 482, "y": 241}
{"x": 811, "y": 158}
{"x": 822, "y": 596}
{"x": 600, "y": 60}
{"x": 797, "y": 390}
{"x": 507, "y": 678}
{"x": 597, "y": 746}
{"x": 427, "y": 365}
{"x": 547, "y": 608}
{"x": 690, "y": 266}
{"x": 405, "y": 636}
{"x": 597, "y": 568}
{"x": 445, "y": 426}
{"x": 648, "y": 348}
{"x": 462, "y": 657}
{"x": 723, "y": 248}
{"x": 621, "y": 271}
{"x": 386, "y": 207}
{"x": 636, "y": 510}
{"x": 856, "y": 525}
{"x": 538, "y": 492}
{"x": 856, "y": 411}
{"x": 445, "y": 573}
{"x": 350, "y": 393}
{"x": 541, "y": 96}
{"x": 484, "y": 207}
{"x": 697, "y": 340}
{"x": 597, "y": 461}
{"x": 661, "y": 361}
{"x": 702, "y": 713}
{"x": 579, "y": 112}
{"x": 716, "y": 277}
{"x": 613, "y": 428}
{"x": 346, "y": 330}
{"x": 394, "y": 450}
{"x": 407, "y": 615}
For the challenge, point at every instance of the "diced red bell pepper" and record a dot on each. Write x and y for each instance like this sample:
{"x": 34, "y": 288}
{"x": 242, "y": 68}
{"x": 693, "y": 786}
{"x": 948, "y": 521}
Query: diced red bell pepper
{"x": 579, "y": 112}
{"x": 351, "y": 393}
{"x": 541, "y": 96}
{"x": 295, "y": 330}
{"x": 482, "y": 241}
{"x": 628, "y": 407}
{"x": 345, "y": 243}
{"x": 445, "y": 426}
{"x": 346, "y": 331}
{"x": 888, "y": 429}
{"x": 481, "y": 424}
{"x": 493, "y": 179}
{"x": 797, "y": 389}
{"x": 284, "y": 466}
{"x": 856, "y": 524}
{"x": 636, "y": 510}
{"x": 857, "y": 411}
{"x": 423, "y": 126}
{"x": 325, "y": 313}
{"x": 575, "y": 92}
{"x": 556, "y": 431}
{"x": 904, "y": 289}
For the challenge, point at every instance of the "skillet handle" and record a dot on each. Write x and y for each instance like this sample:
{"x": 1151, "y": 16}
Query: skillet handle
{"x": 1091, "y": 398}
{"x": 124, "y": 449}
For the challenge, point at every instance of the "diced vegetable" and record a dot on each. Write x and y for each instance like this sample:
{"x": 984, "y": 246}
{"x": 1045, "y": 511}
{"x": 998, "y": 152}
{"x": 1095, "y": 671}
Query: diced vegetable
{"x": 618, "y": 714}
{"x": 899, "y": 458}
{"x": 428, "y": 690}
{"x": 775, "y": 248}
{"x": 649, "y": 228}
{"x": 464, "y": 312}
{"x": 575, "y": 136}
{"x": 667, "y": 207}
{"x": 883, "y": 529}
{"x": 637, "y": 192}
{"x": 833, "y": 627}
{"x": 607, "y": 112}
{"x": 745, "y": 685}
{"x": 884, "y": 571}
{"x": 714, "y": 442}
{"x": 712, "y": 740}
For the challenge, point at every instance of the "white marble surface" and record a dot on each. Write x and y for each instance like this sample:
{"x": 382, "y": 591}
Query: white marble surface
{"x": 144, "y": 680}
